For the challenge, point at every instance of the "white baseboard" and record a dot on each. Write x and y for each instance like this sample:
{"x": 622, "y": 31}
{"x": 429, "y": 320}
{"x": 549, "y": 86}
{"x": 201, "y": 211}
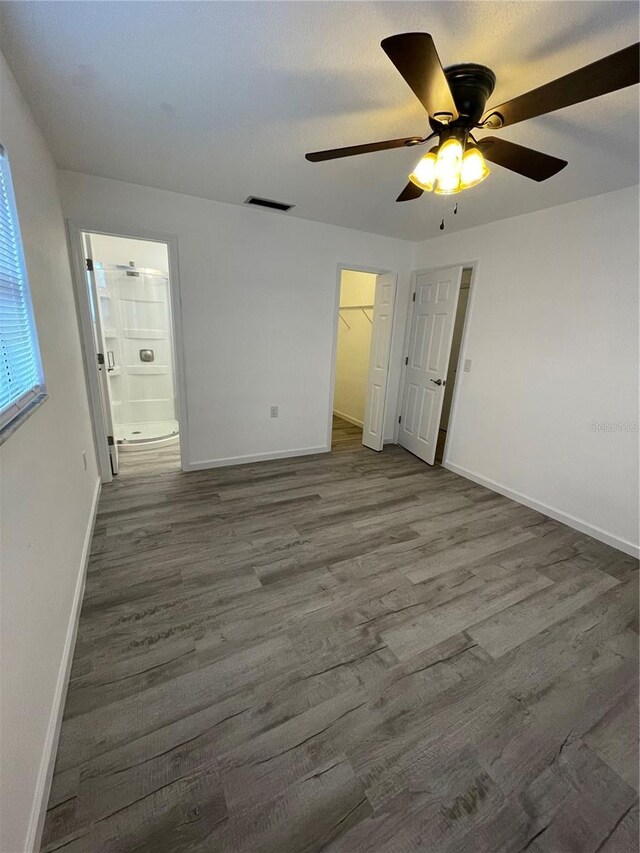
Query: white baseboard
{"x": 45, "y": 774}
{"x": 577, "y": 523}
{"x": 348, "y": 418}
{"x": 254, "y": 457}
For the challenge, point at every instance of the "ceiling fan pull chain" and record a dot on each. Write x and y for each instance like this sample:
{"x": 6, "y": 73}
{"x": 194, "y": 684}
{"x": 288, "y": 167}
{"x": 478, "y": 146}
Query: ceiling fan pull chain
{"x": 455, "y": 209}
{"x": 442, "y": 225}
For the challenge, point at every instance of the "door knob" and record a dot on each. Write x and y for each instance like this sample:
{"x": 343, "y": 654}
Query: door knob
{"x": 437, "y": 381}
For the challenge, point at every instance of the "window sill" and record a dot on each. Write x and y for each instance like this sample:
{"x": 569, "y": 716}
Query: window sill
{"x": 26, "y": 413}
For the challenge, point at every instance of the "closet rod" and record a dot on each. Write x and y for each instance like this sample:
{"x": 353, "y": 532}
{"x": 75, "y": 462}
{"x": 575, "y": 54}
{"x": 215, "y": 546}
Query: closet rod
{"x": 357, "y": 308}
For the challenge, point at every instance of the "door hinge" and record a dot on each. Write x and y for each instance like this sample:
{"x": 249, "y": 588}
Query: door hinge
{"x": 89, "y": 264}
{"x": 413, "y": 298}
{"x": 399, "y": 419}
{"x": 100, "y": 359}
{"x": 406, "y": 360}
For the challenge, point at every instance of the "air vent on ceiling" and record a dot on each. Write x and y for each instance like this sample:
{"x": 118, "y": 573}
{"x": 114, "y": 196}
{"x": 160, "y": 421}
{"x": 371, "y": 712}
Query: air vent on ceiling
{"x": 269, "y": 203}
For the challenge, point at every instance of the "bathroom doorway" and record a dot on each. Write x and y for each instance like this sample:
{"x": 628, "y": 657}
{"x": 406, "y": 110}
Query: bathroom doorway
{"x": 126, "y": 311}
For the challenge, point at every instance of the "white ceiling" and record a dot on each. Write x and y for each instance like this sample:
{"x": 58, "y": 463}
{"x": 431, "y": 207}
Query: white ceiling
{"x": 223, "y": 99}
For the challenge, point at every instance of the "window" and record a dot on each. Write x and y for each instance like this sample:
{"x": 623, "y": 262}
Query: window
{"x": 21, "y": 378}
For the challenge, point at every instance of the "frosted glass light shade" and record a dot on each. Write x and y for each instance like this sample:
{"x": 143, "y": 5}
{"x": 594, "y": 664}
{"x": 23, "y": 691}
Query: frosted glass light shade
{"x": 448, "y": 167}
{"x": 424, "y": 173}
{"x": 474, "y": 168}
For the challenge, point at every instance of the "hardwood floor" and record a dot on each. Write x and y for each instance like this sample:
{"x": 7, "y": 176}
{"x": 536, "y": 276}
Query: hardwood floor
{"x": 136, "y": 462}
{"x": 345, "y": 652}
{"x": 345, "y": 436}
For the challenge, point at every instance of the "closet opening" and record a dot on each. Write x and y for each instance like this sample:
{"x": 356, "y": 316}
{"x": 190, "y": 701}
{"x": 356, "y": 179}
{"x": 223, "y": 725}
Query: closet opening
{"x": 362, "y": 345}
{"x": 355, "y": 323}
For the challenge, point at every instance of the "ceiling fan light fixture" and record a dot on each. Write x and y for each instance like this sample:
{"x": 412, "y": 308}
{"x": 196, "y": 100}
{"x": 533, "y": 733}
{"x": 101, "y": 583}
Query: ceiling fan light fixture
{"x": 458, "y": 165}
{"x": 448, "y": 185}
{"x": 474, "y": 168}
{"x": 424, "y": 173}
{"x": 448, "y": 167}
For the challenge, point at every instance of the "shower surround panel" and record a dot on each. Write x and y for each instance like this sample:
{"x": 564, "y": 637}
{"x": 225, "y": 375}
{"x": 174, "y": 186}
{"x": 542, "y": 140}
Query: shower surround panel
{"x": 135, "y": 309}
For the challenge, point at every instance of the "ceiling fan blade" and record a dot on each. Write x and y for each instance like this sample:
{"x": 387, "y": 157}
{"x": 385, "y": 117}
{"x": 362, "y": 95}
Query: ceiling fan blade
{"x": 350, "y": 151}
{"x": 525, "y": 161}
{"x": 416, "y": 58}
{"x": 614, "y": 72}
{"x": 410, "y": 192}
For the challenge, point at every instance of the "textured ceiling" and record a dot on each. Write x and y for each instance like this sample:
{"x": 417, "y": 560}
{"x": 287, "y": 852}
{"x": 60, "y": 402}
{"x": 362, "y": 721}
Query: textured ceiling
{"x": 223, "y": 99}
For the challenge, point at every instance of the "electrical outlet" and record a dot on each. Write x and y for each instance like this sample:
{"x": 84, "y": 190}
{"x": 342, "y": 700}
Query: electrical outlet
{"x": 84, "y": 460}
{"x": 274, "y": 411}
{"x": 467, "y": 365}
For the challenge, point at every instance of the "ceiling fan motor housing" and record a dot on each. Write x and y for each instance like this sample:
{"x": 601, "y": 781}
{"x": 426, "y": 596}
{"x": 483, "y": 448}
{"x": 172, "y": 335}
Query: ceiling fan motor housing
{"x": 471, "y": 85}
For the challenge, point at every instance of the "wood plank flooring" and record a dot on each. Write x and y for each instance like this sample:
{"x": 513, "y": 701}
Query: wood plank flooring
{"x": 346, "y": 652}
{"x": 345, "y": 436}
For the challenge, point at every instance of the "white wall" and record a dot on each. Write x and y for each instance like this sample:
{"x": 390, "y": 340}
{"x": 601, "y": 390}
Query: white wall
{"x": 357, "y": 289}
{"x": 259, "y": 296}
{"x": 553, "y": 334}
{"x": 45, "y": 494}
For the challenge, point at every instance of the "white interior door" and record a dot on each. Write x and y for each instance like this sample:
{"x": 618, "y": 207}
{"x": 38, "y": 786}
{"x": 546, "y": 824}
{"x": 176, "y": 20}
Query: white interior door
{"x": 373, "y": 429}
{"x": 97, "y": 298}
{"x": 434, "y": 313}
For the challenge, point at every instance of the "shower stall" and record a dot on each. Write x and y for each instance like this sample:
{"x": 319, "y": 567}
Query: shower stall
{"x": 136, "y": 323}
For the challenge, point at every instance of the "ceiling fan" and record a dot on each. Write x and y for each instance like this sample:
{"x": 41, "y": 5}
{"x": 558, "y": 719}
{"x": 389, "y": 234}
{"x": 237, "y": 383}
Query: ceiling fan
{"x": 455, "y": 99}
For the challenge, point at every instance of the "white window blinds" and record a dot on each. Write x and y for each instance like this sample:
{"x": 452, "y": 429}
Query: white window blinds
{"x": 21, "y": 378}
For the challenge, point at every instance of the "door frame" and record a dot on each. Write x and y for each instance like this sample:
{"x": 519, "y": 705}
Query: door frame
{"x": 334, "y": 346}
{"x": 474, "y": 266}
{"x": 106, "y": 407}
{"x": 75, "y": 230}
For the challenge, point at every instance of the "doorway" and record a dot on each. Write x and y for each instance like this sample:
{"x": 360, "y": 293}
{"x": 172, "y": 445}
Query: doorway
{"x": 355, "y": 322}
{"x": 125, "y": 305}
{"x": 362, "y": 347}
{"x": 438, "y": 311}
{"x": 454, "y": 358}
